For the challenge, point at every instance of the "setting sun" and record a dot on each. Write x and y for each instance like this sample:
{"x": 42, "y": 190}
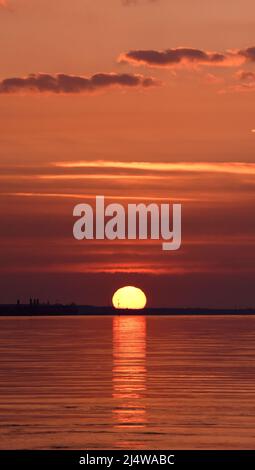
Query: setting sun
{"x": 129, "y": 297}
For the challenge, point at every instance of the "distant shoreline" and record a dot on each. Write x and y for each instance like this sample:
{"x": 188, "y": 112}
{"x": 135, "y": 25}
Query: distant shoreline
{"x": 32, "y": 310}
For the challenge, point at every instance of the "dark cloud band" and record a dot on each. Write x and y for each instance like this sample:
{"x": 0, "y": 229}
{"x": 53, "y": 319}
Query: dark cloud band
{"x": 63, "y": 83}
{"x": 187, "y": 56}
{"x": 172, "y": 56}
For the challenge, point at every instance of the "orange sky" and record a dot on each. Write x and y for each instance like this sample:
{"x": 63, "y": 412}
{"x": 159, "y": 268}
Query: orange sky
{"x": 154, "y": 97}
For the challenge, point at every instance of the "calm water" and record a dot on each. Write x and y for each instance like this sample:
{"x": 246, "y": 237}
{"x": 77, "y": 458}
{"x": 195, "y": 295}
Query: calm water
{"x": 127, "y": 382}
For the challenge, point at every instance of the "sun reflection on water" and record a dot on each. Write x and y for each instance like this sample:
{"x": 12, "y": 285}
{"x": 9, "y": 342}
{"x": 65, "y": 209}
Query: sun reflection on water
{"x": 129, "y": 371}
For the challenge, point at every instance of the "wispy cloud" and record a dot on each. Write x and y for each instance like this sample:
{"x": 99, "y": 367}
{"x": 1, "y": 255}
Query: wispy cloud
{"x": 219, "y": 203}
{"x": 246, "y": 76}
{"x": 244, "y": 82}
{"x": 92, "y": 197}
{"x": 206, "y": 182}
{"x": 193, "y": 167}
{"x": 68, "y": 84}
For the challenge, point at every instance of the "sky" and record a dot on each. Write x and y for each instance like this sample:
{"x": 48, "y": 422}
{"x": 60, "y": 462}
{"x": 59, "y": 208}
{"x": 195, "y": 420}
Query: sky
{"x": 147, "y": 101}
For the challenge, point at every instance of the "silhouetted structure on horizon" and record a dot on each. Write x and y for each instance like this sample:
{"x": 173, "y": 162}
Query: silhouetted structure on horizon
{"x": 35, "y": 308}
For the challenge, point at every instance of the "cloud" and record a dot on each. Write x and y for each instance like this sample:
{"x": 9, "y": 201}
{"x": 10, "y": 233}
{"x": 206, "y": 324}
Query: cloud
{"x": 246, "y": 82}
{"x": 221, "y": 214}
{"x": 248, "y": 54}
{"x": 67, "y": 84}
{"x": 191, "y": 182}
{"x": 180, "y": 56}
{"x": 187, "y": 56}
{"x": 238, "y": 168}
{"x": 246, "y": 77}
